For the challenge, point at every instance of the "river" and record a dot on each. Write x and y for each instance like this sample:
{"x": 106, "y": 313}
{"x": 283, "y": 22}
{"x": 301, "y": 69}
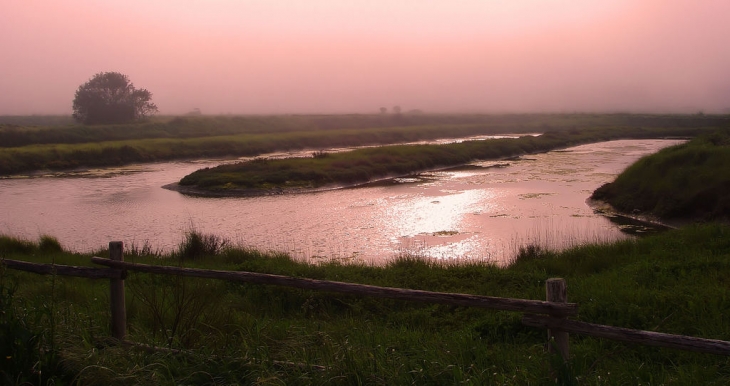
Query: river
{"x": 483, "y": 211}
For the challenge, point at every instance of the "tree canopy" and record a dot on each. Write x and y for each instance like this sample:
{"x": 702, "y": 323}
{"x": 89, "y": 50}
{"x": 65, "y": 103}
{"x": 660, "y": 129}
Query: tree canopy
{"x": 109, "y": 97}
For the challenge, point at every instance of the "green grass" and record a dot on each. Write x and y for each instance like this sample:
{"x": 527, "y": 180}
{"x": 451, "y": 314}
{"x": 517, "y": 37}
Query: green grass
{"x": 37, "y": 143}
{"x": 121, "y": 152}
{"x": 17, "y": 131}
{"x": 688, "y": 181}
{"x": 366, "y": 164}
{"x": 675, "y": 282}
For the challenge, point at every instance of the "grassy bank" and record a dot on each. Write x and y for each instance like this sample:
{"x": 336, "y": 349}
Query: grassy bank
{"x": 216, "y": 126}
{"x": 18, "y": 131}
{"x": 251, "y": 334}
{"x": 684, "y": 182}
{"x": 363, "y": 165}
{"x": 35, "y": 143}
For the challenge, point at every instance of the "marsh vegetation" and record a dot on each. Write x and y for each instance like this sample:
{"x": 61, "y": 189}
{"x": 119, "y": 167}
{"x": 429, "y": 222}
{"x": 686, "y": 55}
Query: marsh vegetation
{"x": 683, "y": 182}
{"x": 56, "y": 328}
{"x": 240, "y": 333}
{"x": 363, "y": 165}
{"x": 37, "y": 142}
{"x": 495, "y": 206}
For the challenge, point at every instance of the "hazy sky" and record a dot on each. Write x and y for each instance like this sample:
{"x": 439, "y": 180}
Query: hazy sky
{"x": 342, "y": 56}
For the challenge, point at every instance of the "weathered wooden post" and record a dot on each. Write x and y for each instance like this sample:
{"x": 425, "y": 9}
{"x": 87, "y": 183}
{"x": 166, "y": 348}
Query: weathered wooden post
{"x": 118, "y": 308}
{"x": 557, "y": 292}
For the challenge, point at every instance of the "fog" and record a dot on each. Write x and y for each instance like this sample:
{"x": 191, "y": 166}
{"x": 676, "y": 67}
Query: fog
{"x": 263, "y": 57}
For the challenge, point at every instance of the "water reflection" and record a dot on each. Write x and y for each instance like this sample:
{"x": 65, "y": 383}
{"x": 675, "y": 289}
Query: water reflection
{"x": 482, "y": 211}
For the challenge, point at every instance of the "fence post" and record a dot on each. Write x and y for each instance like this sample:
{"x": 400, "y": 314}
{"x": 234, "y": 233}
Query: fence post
{"x": 119, "y": 312}
{"x": 557, "y": 292}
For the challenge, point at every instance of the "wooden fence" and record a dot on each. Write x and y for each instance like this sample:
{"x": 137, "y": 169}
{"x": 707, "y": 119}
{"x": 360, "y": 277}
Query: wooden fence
{"x": 551, "y": 314}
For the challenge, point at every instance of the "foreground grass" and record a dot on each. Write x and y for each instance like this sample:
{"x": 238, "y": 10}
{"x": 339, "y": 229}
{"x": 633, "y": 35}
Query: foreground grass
{"x": 251, "y": 334}
{"x": 688, "y": 181}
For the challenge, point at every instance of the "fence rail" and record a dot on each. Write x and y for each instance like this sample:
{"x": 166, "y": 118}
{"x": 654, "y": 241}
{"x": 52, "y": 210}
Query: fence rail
{"x": 647, "y": 338}
{"x": 551, "y": 314}
{"x": 63, "y": 270}
{"x": 495, "y": 303}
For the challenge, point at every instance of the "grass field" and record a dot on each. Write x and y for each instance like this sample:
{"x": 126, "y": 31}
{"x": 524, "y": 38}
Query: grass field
{"x": 253, "y": 334}
{"x": 36, "y": 143}
{"x": 55, "y": 330}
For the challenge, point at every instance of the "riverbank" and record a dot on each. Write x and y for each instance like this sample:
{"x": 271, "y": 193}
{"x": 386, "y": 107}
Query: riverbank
{"x": 494, "y": 205}
{"x": 28, "y": 149}
{"x": 193, "y": 191}
{"x": 363, "y": 165}
{"x": 633, "y": 223}
{"x": 680, "y": 184}
{"x": 276, "y": 191}
{"x": 29, "y": 144}
{"x": 241, "y": 333}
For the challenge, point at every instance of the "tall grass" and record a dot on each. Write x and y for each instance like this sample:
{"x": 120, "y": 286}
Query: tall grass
{"x": 28, "y": 336}
{"x": 225, "y": 333}
{"x": 198, "y": 245}
{"x": 688, "y": 181}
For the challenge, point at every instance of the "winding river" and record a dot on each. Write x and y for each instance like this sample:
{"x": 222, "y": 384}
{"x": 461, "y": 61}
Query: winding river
{"x": 484, "y": 211}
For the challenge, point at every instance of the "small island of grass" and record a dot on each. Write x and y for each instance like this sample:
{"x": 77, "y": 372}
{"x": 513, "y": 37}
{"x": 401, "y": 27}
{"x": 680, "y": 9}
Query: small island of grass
{"x": 323, "y": 170}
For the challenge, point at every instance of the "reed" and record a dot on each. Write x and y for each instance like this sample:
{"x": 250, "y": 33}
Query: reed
{"x": 223, "y": 333}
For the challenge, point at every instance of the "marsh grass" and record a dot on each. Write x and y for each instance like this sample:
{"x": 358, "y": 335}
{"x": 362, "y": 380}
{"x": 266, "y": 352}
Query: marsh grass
{"x": 197, "y": 245}
{"x": 37, "y": 144}
{"x": 230, "y": 333}
{"x": 29, "y": 352}
{"x": 546, "y": 237}
{"x": 28, "y": 148}
{"x": 688, "y": 181}
{"x": 145, "y": 248}
{"x": 366, "y": 164}
{"x": 18, "y": 131}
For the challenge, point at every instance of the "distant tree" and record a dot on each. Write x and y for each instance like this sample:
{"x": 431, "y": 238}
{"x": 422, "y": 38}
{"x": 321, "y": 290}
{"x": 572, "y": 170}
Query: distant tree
{"x": 396, "y": 109}
{"x": 109, "y": 97}
{"x": 383, "y": 110}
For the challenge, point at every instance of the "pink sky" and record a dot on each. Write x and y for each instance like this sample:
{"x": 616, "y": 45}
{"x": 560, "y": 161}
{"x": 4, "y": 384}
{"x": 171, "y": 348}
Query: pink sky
{"x": 339, "y": 56}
